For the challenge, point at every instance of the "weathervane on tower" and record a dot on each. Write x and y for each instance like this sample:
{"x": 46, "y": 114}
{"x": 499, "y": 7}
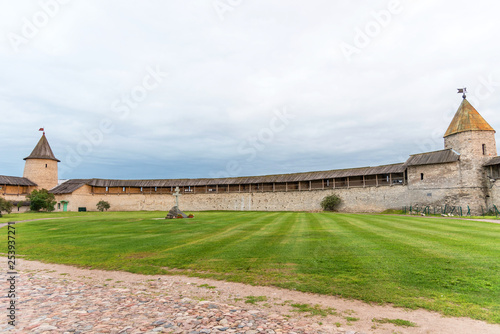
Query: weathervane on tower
{"x": 42, "y": 129}
{"x": 463, "y": 91}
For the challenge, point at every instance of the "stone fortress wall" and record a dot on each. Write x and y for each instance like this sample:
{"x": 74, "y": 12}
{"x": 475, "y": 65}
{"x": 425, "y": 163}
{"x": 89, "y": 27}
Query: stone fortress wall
{"x": 371, "y": 199}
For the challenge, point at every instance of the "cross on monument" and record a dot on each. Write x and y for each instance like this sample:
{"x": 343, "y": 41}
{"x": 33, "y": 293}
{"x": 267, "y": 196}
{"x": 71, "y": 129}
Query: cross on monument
{"x": 177, "y": 194}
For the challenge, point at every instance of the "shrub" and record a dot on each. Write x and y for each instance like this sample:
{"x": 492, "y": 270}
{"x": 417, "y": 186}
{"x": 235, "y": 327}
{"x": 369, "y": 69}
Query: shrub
{"x": 42, "y": 200}
{"x": 5, "y": 206}
{"x": 103, "y": 205}
{"x": 330, "y": 203}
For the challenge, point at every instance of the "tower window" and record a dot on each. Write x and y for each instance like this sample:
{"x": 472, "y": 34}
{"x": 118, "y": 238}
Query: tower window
{"x": 46, "y": 164}
{"x": 421, "y": 176}
{"x": 484, "y": 149}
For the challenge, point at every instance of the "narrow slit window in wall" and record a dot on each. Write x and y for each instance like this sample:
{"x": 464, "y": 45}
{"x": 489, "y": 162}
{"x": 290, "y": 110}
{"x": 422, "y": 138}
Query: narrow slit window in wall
{"x": 421, "y": 176}
{"x": 484, "y": 149}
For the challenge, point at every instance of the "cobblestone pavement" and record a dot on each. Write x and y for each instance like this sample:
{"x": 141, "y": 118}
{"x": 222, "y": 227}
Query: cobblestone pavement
{"x": 62, "y": 299}
{"x": 48, "y": 304}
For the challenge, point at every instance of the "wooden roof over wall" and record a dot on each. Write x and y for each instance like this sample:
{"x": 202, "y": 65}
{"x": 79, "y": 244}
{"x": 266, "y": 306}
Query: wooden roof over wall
{"x": 15, "y": 181}
{"x": 72, "y": 185}
{"x": 69, "y": 186}
{"x": 493, "y": 161}
{"x": 436, "y": 157}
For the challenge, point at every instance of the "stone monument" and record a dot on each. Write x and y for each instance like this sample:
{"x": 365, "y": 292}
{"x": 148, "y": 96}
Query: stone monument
{"x": 175, "y": 211}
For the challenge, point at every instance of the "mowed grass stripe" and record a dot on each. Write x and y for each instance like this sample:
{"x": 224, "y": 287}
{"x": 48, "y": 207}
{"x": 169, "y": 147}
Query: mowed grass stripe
{"x": 439, "y": 226}
{"x": 446, "y": 245}
{"x": 262, "y": 243}
{"x": 428, "y": 269}
{"x": 227, "y": 232}
{"x": 404, "y": 263}
{"x": 251, "y": 253}
{"x": 202, "y": 249}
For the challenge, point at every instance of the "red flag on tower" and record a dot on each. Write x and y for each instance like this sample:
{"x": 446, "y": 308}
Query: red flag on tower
{"x": 41, "y": 129}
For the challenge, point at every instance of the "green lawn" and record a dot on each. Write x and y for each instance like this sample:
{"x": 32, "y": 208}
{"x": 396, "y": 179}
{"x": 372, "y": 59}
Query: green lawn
{"x": 450, "y": 266}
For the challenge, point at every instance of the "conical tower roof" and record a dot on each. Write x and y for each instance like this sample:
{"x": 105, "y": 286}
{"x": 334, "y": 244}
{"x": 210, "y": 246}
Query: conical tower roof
{"x": 42, "y": 150}
{"x": 467, "y": 119}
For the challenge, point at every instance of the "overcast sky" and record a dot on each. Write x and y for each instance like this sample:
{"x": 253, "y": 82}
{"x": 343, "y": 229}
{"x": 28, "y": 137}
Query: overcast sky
{"x": 203, "y": 88}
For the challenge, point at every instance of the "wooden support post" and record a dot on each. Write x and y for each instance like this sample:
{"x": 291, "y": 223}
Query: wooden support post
{"x": 390, "y": 179}
{"x": 364, "y": 182}
{"x": 348, "y": 182}
{"x": 286, "y": 186}
{"x": 323, "y": 184}
{"x": 274, "y": 186}
{"x": 299, "y": 185}
{"x": 376, "y": 180}
{"x": 216, "y": 188}
{"x": 310, "y": 185}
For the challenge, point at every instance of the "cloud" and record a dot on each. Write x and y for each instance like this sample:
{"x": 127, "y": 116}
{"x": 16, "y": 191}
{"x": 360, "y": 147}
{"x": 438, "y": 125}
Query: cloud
{"x": 226, "y": 77}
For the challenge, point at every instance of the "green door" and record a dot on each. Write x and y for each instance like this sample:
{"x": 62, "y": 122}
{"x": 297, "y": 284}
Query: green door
{"x": 65, "y": 206}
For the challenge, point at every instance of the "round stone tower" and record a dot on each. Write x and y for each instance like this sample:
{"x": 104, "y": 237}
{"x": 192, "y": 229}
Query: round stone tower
{"x": 470, "y": 135}
{"x": 474, "y": 139}
{"x": 41, "y": 165}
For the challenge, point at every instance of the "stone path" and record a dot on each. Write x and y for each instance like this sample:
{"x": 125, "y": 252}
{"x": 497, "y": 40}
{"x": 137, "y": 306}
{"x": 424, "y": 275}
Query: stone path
{"x": 59, "y": 305}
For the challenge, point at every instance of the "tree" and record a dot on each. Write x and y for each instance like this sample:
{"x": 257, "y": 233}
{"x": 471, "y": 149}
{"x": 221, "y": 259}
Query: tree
{"x": 103, "y": 205}
{"x": 5, "y": 206}
{"x": 330, "y": 203}
{"x": 42, "y": 200}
